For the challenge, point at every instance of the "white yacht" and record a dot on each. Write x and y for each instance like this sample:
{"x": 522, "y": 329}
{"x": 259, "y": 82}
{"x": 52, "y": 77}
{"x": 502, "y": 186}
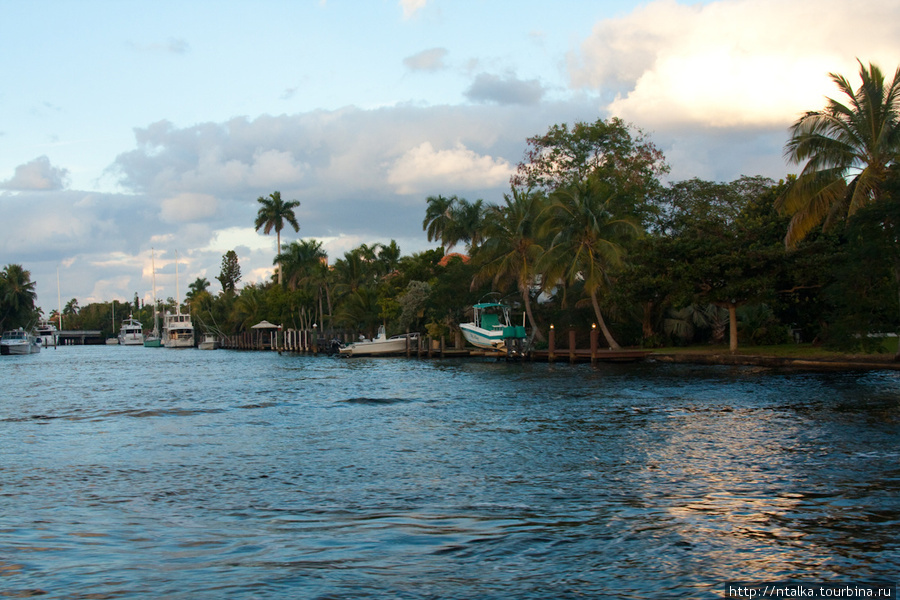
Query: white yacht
{"x": 19, "y": 341}
{"x": 178, "y": 331}
{"x": 131, "y": 333}
{"x": 48, "y": 333}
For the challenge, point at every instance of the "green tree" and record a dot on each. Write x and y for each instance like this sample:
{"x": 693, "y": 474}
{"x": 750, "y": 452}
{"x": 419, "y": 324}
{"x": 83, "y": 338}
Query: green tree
{"x": 724, "y": 244}
{"x": 71, "y": 308}
{"x": 17, "y": 298}
{"x": 199, "y": 285}
{"x": 512, "y": 246}
{"x": 847, "y": 150}
{"x": 453, "y": 220}
{"x": 272, "y": 214}
{"x": 230, "y": 274}
{"x": 588, "y": 244}
{"x": 305, "y": 265}
{"x": 438, "y": 219}
{"x": 611, "y": 150}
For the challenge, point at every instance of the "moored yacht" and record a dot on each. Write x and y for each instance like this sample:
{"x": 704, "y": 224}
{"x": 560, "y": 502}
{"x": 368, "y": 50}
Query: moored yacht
{"x": 178, "y": 331}
{"x": 131, "y": 333}
{"x": 48, "y": 333}
{"x": 19, "y": 341}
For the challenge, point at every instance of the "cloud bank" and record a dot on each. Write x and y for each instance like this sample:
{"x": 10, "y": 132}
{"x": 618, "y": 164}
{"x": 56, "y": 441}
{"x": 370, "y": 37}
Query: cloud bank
{"x": 744, "y": 63}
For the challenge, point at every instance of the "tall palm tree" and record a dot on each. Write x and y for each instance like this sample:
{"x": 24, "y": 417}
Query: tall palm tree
{"x": 273, "y": 213}
{"x": 587, "y": 242}
{"x": 438, "y": 218}
{"x": 512, "y": 245}
{"x": 847, "y": 148}
{"x": 453, "y": 220}
{"x": 17, "y": 296}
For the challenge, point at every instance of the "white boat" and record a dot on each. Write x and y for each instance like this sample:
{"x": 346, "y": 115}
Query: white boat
{"x": 178, "y": 331}
{"x": 131, "y": 333}
{"x": 210, "y": 342}
{"x": 490, "y": 327}
{"x": 382, "y": 345}
{"x": 177, "y": 327}
{"x": 19, "y": 341}
{"x": 48, "y": 334}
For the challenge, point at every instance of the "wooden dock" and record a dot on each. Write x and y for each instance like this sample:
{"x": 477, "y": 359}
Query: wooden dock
{"x": 307, "y": 342}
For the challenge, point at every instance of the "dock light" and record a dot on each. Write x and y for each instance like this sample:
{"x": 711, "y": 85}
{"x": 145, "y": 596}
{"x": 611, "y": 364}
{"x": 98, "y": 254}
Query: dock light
{"x": 593, "y": 326}
{"x": 551, "y": 325}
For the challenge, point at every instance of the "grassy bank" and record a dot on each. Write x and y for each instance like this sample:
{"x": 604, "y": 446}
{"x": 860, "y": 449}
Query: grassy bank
{"x": 781, "y": 355}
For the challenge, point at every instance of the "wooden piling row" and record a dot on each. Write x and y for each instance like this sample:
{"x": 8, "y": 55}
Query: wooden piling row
{"x": 305, "y": 341}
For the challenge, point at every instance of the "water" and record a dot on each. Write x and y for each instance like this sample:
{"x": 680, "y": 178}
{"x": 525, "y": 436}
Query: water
{"x": 138, "y": 473}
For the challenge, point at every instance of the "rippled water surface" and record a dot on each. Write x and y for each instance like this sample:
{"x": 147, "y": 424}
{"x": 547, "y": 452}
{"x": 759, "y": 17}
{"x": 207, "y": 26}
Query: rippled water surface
{"x": 133, "y": 472}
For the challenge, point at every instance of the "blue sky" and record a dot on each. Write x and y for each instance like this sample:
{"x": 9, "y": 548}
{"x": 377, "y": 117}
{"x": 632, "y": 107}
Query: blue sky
{"x": 131, "y": 125}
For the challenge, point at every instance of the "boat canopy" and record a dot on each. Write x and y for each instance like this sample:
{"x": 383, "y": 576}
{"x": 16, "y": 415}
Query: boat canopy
{"x": 484, "y": 305}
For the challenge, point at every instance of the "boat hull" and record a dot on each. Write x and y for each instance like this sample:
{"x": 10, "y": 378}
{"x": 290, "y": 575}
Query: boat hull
{"x": 18, "y": 343}
{"x": 482, "y": 338}
{"x": 153, "y": 342}
{"x": 130, "y": 340}
{"x": 180, "y": 343}
{"x": 19, "y": 349}
{"x": 378, "y": 347}
{"x": 209, "y": 343}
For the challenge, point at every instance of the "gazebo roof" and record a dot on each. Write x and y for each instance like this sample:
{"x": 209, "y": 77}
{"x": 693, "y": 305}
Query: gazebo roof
{"x": 265, "y": 325}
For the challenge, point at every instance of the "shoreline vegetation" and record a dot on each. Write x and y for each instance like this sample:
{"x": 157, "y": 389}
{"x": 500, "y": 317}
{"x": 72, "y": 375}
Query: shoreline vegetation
{"x": 590, "y": 238}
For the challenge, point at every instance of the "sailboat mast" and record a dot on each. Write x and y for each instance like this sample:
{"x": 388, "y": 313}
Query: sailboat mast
{"x": 153, "y": 278}
{"x": 177, "y": 298}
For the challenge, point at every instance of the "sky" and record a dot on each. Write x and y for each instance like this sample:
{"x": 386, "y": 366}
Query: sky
{"x": 136, "y": 133}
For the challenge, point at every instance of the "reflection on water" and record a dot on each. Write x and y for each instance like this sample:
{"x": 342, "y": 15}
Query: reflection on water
{"x": 133, "y": 472}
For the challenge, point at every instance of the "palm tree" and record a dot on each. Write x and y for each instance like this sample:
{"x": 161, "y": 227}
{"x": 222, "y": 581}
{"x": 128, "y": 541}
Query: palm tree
{"x": 17, "y": 296}
{"x": 586, "y": 245}
{"x": 388, "y": 257}
{"x": 511, "y": 248}
{"x": 469, "y": 222}
{"x": 847, "y": 148}
{"x": 272, "y": 214}
{"x": 199, "y": 285}
{"x": 438, "y": 218}
{"x": 453, "y": 220}
{"x": 305, "y": 265}
{"x": 360, "y": 310}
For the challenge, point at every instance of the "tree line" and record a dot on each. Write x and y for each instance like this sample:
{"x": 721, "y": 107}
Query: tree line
{"x": 589, "y": 234}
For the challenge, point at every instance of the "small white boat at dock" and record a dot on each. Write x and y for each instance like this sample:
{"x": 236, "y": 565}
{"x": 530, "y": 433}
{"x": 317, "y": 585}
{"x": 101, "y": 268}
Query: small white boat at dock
{"x": 382, "y": 345}
{"x": 210, "y": 342}
{"x": 491, "y": 326}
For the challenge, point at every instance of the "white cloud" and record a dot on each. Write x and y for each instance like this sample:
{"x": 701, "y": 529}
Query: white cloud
{"x": 423, "y": 169}
{"x": 732, "y": 64}
{"x": 188, "y": 207}
{"x": 411, "y": 7}
{"x": 427, "y": 60}
{"x": 504, "y": 90}
{"x": 38, "y": 174}
{"x": 230, "y": 238}
{"x": 273, "y": 168}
